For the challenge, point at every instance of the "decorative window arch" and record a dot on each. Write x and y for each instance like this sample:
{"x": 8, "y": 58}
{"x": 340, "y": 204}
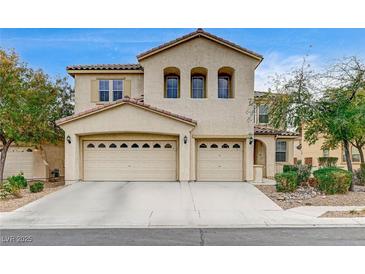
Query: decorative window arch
{"x": 203, "y": 146}
{"x": 124, "y": 145}
{"x": 225, "y": 82}
{"x": 112, "y": 145}
{"x": 171, "y": 82}
{"x": 236, "y": 146}
{"x": 135, "y": 145}
{"x": 168, "y": 146}
{"x": 214, "y": 146}
{"x": 156, "y": 146}
{"x": 146, "y": 145}
{"x": 225, "y": 146}
{"x": 101, "y": 145}
{"x": 199, "y": 82}
{"x": 90, "y": 145}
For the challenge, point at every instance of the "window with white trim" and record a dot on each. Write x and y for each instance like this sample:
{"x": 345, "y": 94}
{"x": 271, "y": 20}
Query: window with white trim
{"x": 104, "y": 90}
{"x": 355, "y": 154}
{"x": 117, "y": 89}
{"x": 326, "y": 153}
{"x": 224, "y": 86}
{"x": 263, "y": 114}
{"x": 280, "y": 151}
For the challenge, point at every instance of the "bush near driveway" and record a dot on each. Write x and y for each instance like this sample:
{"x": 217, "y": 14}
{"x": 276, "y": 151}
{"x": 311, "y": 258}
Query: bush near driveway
{"x": 303, "y": 172}
{"x": 18, "y": 180}
{"x": 286, "y": 181}
{"x": 287, "y": 168}
{"x": 36, "y": 187}
{"x": 8, "y": 189}
{"x": 332, "y": 180}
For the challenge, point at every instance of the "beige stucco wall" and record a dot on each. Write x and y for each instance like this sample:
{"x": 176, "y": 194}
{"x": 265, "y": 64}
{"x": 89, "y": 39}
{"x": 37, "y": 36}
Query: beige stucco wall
{"x": 215, "y": 116}
{"x": 315, "y": 151}
{"x": 83, "y": 87}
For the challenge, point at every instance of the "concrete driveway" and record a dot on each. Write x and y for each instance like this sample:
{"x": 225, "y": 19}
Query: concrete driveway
{"x": 161, "y": 204}
{"x": 144, "y": 204}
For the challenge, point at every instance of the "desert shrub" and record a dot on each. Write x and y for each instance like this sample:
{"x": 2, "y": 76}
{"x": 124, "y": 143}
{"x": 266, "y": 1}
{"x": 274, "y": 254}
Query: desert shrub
{"x": 286, "y": 181}
{"x": 303, "y": 172}
{"x": 287, "y": 168}
{"x": 360, "y": 175}
{"x": 312, "y": 182}
{"x": 36, "y": 187}
{"x": 332, "y": 180}
{"x": 327, "y": 161}
{"x": 18, "y": 180}
{"x": 8, "y": 189}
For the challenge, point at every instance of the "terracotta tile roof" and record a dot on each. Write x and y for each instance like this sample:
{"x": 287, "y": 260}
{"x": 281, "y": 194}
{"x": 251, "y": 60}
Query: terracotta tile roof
{"x": 126, "y": 100}
{"x": 106, "y": 67}
{"x": 266, "y": 130}
{"x": 197, "y": 33}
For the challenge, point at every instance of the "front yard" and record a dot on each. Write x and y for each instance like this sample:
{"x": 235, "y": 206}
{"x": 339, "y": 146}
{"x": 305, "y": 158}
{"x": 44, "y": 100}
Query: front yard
{"x": 11, "y": 203}
{"x": 312, "y": 197}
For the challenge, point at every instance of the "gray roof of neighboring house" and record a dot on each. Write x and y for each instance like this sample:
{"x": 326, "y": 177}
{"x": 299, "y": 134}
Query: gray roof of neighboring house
{"x": 266, "y": 130}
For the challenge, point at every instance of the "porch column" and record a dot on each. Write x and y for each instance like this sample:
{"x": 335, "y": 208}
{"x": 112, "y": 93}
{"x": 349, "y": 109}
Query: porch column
{"x": 72, "y": 159}
{"x": 184, "y": 157}
{"x": 249, "y": 155}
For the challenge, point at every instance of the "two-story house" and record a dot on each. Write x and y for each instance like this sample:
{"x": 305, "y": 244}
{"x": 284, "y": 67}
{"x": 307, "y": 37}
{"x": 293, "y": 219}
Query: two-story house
{"x": 183, "y": 113}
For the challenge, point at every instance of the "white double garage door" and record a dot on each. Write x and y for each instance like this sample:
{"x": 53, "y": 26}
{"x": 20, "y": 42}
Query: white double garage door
{"x": 158, "y": 161}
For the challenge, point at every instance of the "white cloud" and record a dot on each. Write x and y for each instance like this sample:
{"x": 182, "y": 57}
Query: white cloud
{"x": 277, "y": 64}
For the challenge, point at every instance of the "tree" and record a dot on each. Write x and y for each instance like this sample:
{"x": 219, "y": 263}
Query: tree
{"x": 329, "y": 104}
{"x": 30, "y": 103}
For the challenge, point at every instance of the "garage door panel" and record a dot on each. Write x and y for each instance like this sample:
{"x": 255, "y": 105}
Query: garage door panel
{"x": 122, "y": 161}
{"x": 219, "y": 161}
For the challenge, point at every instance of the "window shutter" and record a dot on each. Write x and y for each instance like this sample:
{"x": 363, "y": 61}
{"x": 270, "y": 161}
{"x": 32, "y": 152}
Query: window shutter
{"x": 127, "y": 88}
{"x": 94, "y": 91}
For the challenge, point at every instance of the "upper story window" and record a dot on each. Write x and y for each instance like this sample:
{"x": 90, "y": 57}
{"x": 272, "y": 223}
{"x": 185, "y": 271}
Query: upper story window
{"x": 263, "y": 114}
{"x": 280, "y": 151}
{"x": 225, "y": 89}
{"x": 198, "y": 83}
{"x": 103, "y": 90}
{"x": 355, "y": 154}
{"x": 326, "y": 153}
{"x": 172, "y": 82}
{"x": 117, "y": 89}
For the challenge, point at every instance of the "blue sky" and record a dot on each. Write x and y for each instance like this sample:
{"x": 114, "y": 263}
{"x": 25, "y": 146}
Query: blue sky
{"x": 54, "y": 49}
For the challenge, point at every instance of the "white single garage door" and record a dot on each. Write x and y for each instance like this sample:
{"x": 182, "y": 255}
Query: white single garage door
{"x": 219, "y": 161}
{"x": 19, "y": 159}
{"x": 129, "y": 160}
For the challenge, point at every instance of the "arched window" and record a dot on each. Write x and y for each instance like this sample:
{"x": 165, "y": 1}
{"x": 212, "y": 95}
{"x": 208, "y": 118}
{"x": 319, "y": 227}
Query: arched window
{"x": 112, "y": 145}
{"x": 225, "y": 146}
{"x": 168, "y": 146}
{"x": 90, "y": 145}
{"x": 225, "y": 87}
{"x": 203, "y": 146}
{"x": 236, "y": 146}
{"x": 172, "y": 82}
{"x": 124, "y": 145}
{"x": 146, "y": 146}
{"x": 156, "y": 146}
{"x": 101, "y": 145}
{"x": 135, "y": 146}
{"x": 198, "y": 82}
{"x": 213, "y": 146}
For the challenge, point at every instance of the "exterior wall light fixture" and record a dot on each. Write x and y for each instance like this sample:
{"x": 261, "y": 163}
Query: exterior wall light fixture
{"x": 250, "y": 139}
{"x": 185, "y": 139}
{"x": 68, "y": 138}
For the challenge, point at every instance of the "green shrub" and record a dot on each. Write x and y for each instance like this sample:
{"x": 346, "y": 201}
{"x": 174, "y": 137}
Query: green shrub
{"x": 287, "y": 168}
{"x": 8, "y": 189}
{"x": 360, "y": 175}
{"x": 327, "y": 161}
{"x": 18, "y": 180}
{"x": 36, "y": 187}
{"x": 286, "y": 181}
{"x": 332, "y": 180}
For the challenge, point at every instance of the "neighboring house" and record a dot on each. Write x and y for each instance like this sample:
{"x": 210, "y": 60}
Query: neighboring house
{"x": 311, "y": 153}
{"x": 182, "y": 113}
{"x": 35, "y": 163}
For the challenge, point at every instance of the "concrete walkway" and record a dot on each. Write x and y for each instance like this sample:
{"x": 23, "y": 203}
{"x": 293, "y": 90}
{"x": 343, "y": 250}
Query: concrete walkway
{"x": 162, "y": 204}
